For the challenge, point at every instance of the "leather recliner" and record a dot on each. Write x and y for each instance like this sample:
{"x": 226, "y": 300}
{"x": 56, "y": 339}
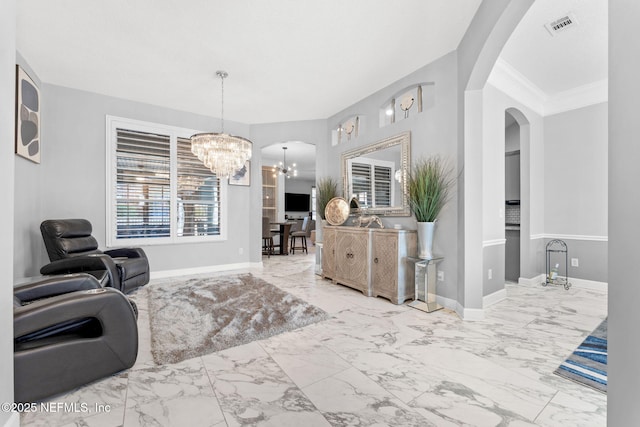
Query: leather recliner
{"x": 72, "y": 248}
{"x": 69, "y": 331}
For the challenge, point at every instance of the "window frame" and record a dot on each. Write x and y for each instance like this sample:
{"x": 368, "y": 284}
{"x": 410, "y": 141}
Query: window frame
{"x": 113, "y": 123}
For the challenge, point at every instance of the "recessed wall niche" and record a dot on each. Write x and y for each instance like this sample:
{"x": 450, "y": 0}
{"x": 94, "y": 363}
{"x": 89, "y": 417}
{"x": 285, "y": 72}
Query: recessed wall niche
{"x": 407, "y": 102}
{"x": 346, "y": 130}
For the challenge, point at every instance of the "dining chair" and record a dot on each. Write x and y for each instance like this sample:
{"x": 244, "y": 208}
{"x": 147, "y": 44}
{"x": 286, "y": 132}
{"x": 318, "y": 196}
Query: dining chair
{"x": 302, "y": 235}
{"x": 267, "y": 237}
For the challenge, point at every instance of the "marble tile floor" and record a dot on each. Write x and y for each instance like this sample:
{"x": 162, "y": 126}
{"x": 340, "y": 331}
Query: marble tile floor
{"x": 371, "y": 363}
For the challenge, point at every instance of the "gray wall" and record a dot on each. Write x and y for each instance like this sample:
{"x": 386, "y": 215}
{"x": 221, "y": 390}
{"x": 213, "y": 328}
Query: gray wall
{"x": 71, "y": 181}
{"x": 300, "y": 186}
{"x": 575, "y": 171}
{"x": 575, "y": 188}
{"x": 623, "y": 393}
{"x": 493, "y": 258}
{"x": 309, "y": 131}
{"x": 432, "y": 132}
{"x": 7, "y": 124}
{"x": 477, "y": 53}
{"x": 512, "y": 137}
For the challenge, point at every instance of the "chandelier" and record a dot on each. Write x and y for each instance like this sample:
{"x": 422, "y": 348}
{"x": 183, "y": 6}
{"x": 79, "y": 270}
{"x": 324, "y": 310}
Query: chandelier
{"x": 222, "y": 153}
{"x": 283, "y": 169}
{"x": 188, "y": 184}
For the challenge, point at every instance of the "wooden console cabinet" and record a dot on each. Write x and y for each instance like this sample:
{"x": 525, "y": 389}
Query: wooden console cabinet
{"x": 371, "y": 260}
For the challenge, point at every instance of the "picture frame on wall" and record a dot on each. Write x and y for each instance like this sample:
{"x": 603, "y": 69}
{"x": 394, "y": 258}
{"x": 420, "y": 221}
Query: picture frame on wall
{"x": 28, "y": 101}
{"x": 242, "y": 176}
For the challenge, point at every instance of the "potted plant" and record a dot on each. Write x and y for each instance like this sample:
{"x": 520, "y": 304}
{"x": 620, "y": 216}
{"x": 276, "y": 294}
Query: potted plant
{"x": 326, "y": 190}
{"x": 429, "y": 185}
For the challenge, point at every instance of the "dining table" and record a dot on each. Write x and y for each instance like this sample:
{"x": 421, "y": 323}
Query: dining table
{"x": 283, "y": 229}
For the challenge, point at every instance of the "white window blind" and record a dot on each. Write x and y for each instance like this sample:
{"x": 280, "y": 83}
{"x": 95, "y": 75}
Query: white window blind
{"x": 362, "y": 183}
{"x": 371, "y": 184}
{"x": 143, "y": 186}
{"x": 158, "y": 191}
{"x": 198, "y": 195}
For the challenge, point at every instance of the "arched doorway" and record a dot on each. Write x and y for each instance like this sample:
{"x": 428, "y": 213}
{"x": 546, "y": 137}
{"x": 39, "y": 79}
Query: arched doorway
{"x": 517, "y": 194}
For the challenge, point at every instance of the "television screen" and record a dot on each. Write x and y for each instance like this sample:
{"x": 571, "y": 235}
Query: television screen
{"x": 294, "y": 202}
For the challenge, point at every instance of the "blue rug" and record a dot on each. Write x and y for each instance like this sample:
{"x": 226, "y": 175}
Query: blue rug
{"x": 587, "y": 365}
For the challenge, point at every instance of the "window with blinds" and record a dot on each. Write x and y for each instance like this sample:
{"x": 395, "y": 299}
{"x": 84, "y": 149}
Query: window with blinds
{"x": 159, "y": 191}
{"x": 198, "y": 195}
{"x": 143, "y": 195}
{"x": 371, "y": 182}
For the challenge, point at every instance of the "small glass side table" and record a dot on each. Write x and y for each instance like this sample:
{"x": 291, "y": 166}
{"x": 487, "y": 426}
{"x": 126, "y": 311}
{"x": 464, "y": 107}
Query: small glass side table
{"x": 425, "y": 296}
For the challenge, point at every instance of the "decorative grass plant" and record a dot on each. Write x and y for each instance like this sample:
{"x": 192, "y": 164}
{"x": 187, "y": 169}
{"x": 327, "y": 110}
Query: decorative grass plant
{"x": 430, "y": 182}
{"x": 326, "y": 190}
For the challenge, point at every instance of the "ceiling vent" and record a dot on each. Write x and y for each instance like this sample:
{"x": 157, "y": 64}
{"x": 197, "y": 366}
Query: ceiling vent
{"x": 561, "y": 24}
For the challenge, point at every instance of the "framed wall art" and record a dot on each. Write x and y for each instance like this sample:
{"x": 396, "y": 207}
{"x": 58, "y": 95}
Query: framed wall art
{"x": 242, "y": 176}
{"x": 28, "y": 143}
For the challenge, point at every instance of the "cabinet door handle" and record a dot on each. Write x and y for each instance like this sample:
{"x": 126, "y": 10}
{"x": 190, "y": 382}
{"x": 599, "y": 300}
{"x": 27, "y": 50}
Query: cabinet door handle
{"x": 375, "y": 260}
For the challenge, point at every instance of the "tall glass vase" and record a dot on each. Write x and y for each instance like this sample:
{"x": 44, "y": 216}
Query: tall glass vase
{"x": 425, "y": 239}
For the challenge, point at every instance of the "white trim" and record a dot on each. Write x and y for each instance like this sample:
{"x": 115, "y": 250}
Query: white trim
{"x": 470, "y": 314}
{"x": 570, "y": 237}
{"x": 13, "y": 421}
{"x": 112, "y": 123}
{"x": 575, "y": 283}
{"x": 536, "y": 280}
{"x": 449, "y": 303}
{"x": 203, "y": 270}
{"x": 577, "y": 237}
{"x": 589, "y": 284}
{"x": 579, "y": 97}
{"x": 510, "y": 81}
{"x": 494, "y": 298}
{"x": 494, "y": 242}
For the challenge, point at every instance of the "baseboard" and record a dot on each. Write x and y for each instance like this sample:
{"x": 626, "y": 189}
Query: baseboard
{"x": 203, "y": 270}
{"x": 449, "y": 303}
{"x": 13, "y": 421}
{"x": 464, "y": 313}
{"x": 470, "y": 314}
{"x": 534, "y": 281}
{"x": 575, "y": 282}
{"x": 494, "y": 298}
{"x": 589, "y": 284}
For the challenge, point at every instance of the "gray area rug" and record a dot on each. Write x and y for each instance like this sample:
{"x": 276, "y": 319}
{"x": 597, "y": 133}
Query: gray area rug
{"x": 193, "y": 317}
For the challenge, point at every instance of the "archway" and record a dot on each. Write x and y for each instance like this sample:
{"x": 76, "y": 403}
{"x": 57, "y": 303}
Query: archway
{"x": 517, "y": 199}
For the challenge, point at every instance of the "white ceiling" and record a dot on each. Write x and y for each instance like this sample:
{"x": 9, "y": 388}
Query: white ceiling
{"x": 287, "y": 59}
{"x": 572, "y": 58}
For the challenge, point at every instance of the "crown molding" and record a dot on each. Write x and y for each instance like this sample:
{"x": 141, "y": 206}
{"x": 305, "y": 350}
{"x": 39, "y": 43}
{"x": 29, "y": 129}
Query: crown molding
{"x": 581, "y": 96}
{"x": 509, "y": 80}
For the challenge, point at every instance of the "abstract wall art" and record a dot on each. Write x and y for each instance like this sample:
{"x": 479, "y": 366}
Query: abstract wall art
{"x": 28, "y": 143}
{"x": 242, "y": 175}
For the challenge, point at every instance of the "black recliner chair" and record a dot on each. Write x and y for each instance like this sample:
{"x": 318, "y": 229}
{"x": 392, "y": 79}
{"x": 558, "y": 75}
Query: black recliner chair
{"x": 68, "y": 331}
{"x": 72, "y": 248}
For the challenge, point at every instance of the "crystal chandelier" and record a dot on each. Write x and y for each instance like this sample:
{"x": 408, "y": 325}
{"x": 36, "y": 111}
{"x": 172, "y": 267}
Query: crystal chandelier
{"x": 188, "y": 184}
{"x": 283, "y": 169}
{"x": 222, "y": 153}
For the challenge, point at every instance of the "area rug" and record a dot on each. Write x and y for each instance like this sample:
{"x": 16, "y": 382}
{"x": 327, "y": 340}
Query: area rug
{"x": 588, "y": 363}
{"x": 197, "y": 316}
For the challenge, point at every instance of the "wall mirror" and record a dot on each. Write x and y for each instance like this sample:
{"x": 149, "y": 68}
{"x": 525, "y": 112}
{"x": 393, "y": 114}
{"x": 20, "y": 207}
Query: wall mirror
{"x": 376, "y": 176}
